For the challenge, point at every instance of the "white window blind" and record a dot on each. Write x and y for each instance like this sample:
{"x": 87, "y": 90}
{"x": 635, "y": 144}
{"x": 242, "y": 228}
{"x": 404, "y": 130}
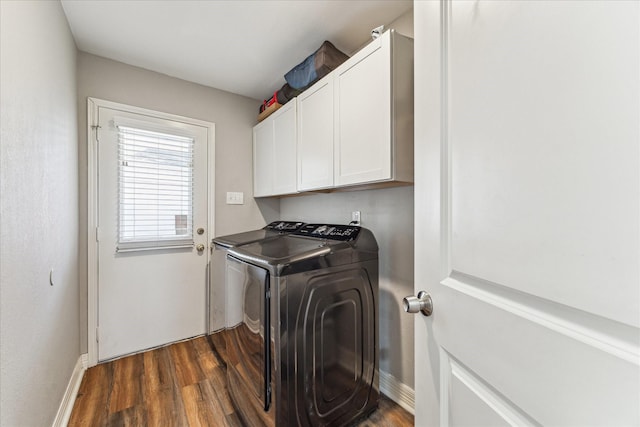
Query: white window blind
{"x": 155, "y": 190}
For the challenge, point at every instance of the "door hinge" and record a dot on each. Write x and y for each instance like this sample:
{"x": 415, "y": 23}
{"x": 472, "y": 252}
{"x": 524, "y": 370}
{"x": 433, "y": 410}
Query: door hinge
{"x": 97, "y": 234}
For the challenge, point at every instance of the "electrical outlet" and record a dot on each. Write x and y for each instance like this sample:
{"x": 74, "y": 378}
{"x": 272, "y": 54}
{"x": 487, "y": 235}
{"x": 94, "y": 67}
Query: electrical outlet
{"x": 355, "y": 217}
{"x": 235, "y": 198}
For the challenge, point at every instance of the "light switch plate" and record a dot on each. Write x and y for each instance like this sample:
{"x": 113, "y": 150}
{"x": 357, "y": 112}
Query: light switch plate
{"x": 235, "y": 198}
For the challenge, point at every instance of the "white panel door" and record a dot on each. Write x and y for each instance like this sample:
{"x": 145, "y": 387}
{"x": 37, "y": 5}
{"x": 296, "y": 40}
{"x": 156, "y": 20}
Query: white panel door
{"x": 527, "y": 212}
{"x": 315, "y": 136}
{"x": 148, "y": 298}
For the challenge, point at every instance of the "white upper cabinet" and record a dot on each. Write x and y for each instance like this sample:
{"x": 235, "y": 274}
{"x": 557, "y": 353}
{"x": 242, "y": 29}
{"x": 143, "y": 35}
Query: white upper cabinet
{"x": 315, "y": 138}
{"x": 374, "y": 113}
{"x": 352, "y": 128}
{"x": 274, "y": 153}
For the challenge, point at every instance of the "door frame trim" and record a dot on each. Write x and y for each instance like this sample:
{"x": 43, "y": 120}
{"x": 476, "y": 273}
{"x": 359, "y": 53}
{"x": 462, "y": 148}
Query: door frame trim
{"x": 93, "y": 105}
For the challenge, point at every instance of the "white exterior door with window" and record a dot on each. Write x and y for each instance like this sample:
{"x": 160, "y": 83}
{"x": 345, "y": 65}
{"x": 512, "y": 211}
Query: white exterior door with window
{"x": 152, "y": 231}
{"x": 527, "y": 198}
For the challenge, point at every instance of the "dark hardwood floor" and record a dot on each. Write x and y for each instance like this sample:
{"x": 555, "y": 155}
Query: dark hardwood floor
{"x": 183, "y": 384}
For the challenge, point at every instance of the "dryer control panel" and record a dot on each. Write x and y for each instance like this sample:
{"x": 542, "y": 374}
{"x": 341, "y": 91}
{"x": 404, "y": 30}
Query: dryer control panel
{"x": 284, "y": 225}
{"x": 345, "y": 233}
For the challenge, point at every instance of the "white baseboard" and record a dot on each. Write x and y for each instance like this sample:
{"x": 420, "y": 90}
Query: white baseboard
{"x": 69, "y": 398}
{"x": 400, "y": 393}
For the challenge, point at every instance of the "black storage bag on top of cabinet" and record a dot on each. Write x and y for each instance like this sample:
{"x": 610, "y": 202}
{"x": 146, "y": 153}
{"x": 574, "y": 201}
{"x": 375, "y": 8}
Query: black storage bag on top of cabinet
{"x": 315, "y": 66}
{"x": 282, "y": 96}
{"x": 287, "y": 93}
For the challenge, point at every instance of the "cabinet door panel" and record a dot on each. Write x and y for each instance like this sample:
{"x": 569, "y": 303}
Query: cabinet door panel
{"x": 284, "y": 144}
{"x": 315, "y": 139}
{"x": 263, "y": 159}
{"x": 363, "y": 126}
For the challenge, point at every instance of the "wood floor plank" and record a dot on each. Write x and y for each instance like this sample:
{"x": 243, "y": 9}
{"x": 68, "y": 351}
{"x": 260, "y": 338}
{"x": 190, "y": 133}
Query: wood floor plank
{"x": 91, "y": 407}
{"x": 233, "y": 420}
{"x": 181, "y": 385}
{"x": 202, "y": 346}
{"x": 158, "y": 371}
{"x": 201, "y": 405}
{"x": 127, "y": 387}
{"x": 187, "y": 369}
{"x": 165, "y": 409}
{"x": 218, "y": 377}
{"x": 134, "y": 416}
{"x": 206, "y": 357}
{"x": 219, "y": 346}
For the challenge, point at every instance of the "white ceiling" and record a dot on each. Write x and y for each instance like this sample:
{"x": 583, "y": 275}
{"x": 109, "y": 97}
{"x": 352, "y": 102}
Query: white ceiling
{"x": 242, "y": 46}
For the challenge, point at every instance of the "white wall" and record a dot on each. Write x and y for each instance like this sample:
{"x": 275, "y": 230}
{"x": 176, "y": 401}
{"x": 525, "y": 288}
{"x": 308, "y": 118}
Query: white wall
{"x": 39, "y": 211}
{"x": 234, "y": 116}
{"x": 389, "y": 214}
